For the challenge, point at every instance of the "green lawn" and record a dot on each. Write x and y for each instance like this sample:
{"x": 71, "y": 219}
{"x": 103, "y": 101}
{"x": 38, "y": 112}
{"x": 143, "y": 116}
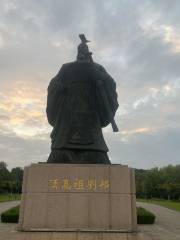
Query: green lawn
{"x": 9, "y": 197}
{"x": 175, "y": 205}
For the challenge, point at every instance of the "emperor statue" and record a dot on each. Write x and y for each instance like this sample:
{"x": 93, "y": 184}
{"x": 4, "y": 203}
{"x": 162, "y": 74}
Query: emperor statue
{"x": 81, "y": 100}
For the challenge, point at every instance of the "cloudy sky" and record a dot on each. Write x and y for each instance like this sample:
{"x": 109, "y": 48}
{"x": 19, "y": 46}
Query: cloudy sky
{"x": 138, "y": 42}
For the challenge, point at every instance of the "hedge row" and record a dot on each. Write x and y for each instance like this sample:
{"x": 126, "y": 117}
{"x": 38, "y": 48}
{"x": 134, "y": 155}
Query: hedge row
{"x": 11, "y": 215}
{"x": 143, "y": 216}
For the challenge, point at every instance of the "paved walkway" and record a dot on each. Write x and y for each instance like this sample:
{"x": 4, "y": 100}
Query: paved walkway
{"x": 6, "y": 205}
{"x": 167, "y": 225}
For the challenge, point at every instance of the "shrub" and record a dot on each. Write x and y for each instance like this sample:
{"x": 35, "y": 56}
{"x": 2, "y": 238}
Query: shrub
{"x": 11, "y": 215}
{"x": 144, "y": 216}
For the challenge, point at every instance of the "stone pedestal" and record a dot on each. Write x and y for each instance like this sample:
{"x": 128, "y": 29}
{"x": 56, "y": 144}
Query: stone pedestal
{"x": 78, "y": 197}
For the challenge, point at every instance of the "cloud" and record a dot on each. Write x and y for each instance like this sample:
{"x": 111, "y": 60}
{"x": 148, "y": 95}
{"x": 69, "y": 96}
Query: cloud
{"x": 17, "y": 151}
{"x": 23, "y": 110}
{"x": 146, "y": 150}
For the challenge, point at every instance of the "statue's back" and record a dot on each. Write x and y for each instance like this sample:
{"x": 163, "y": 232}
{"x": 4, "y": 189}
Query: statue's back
{"x": 81, "y": 100}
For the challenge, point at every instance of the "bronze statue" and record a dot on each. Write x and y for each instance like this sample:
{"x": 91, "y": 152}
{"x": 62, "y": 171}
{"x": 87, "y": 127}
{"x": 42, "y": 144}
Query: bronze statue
{"x": 81, "y": 100}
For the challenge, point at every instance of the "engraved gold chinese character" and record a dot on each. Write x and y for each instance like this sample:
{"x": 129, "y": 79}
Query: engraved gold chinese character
{"x": 54, "y": 184}
{"x": 78, "y": 184}
{"x": 66, "y": 185}
{"x": 91, "y": 184}
{"x": 104, "y": 184}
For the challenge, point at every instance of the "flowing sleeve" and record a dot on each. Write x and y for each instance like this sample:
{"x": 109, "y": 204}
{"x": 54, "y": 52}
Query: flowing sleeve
{"x": 55, "y": 97}
{"x": 106, "y": 96}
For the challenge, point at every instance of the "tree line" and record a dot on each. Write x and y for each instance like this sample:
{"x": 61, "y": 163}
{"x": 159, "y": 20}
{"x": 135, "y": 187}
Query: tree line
{"x": 161, "y": 183}
{"x": 10, "y": 181}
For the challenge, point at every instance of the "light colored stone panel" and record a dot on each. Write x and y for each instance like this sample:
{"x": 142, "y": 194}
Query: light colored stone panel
{"x": 76, "y": 173}
{"x": 38, "y": 236}
{"x": 139, "y": 236}
{"x": 35, "y": 211}
{"x": 134, "y": 214}
{"x": 133, "y": 183}
{"x": 56, "y": 211}
{"x": 115, "y": 236}
{"x": 89, "y": 236}
{"x": 99, "y": 211}
{"x": 22, "y": 207}
{"x": 25, "y": 174}
{"x": 101, "y": 175}
{"x": 39, "y": 174}
{"x": 78, "y": 210}
{"x": 37, "y": 178}
{"x": 71, "y": 173}
{"x": 64, "y": 236}
{"x": 120, "y": 181}
{"x": 121, "y": 215}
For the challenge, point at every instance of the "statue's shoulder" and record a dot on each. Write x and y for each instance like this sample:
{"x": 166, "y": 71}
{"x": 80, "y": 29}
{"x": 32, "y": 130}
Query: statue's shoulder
{"x": 97, "y": 64}
{"x": 99, "y": 67}
{"x": 104, "y": 75}
{"x": 57, "y": 80}
{"x": 67, "y": 65}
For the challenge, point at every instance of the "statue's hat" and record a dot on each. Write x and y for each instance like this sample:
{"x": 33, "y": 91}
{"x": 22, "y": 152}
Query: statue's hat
{"x": 83, "y": 38}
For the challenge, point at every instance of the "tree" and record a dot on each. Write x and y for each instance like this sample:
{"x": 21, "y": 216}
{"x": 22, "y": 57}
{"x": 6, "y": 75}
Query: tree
{"x": 17, "y": 174}
{"x": 3, "y": 165}
{"x": 17, "y": 177}
{"x": 159, "y": 183}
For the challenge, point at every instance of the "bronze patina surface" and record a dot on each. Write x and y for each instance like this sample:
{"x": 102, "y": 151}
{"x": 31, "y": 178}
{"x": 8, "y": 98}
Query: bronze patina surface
{"x": 82, "y": 99}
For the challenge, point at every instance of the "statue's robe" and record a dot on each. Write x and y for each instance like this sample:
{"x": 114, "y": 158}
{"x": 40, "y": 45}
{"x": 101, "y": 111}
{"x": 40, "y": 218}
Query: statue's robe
{"x": 76, "y": 106}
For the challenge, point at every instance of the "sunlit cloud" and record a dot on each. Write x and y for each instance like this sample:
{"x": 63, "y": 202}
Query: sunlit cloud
{"x": 156, "y": 95}
{"x": 168, "y": 33}
{"x": 31, "y": 132}
{"x": 127, "y": 135}
{"x": 136, "y": 131}
{"x": 23, "y": 107}
{"x": 173, "y": 37}
{"x": 122, "y": 110}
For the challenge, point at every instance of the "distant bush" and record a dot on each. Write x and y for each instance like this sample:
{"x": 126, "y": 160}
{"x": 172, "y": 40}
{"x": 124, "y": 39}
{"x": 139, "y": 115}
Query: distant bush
{"x": 11, "y": 215}
{"x": 144, "y": 216}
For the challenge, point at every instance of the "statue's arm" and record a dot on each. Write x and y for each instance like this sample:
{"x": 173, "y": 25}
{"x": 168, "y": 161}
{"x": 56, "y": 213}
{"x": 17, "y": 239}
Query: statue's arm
{"x": 54, "y": 97}
{"x": 107, "y": 77}
{"x": 106, "y": 96}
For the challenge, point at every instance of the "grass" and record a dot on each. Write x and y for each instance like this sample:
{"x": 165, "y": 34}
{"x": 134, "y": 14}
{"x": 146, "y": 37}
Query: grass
{"x": 143, "y": 216}
{"x": 175, "y": 205}
{"x": 9, "y": 197}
